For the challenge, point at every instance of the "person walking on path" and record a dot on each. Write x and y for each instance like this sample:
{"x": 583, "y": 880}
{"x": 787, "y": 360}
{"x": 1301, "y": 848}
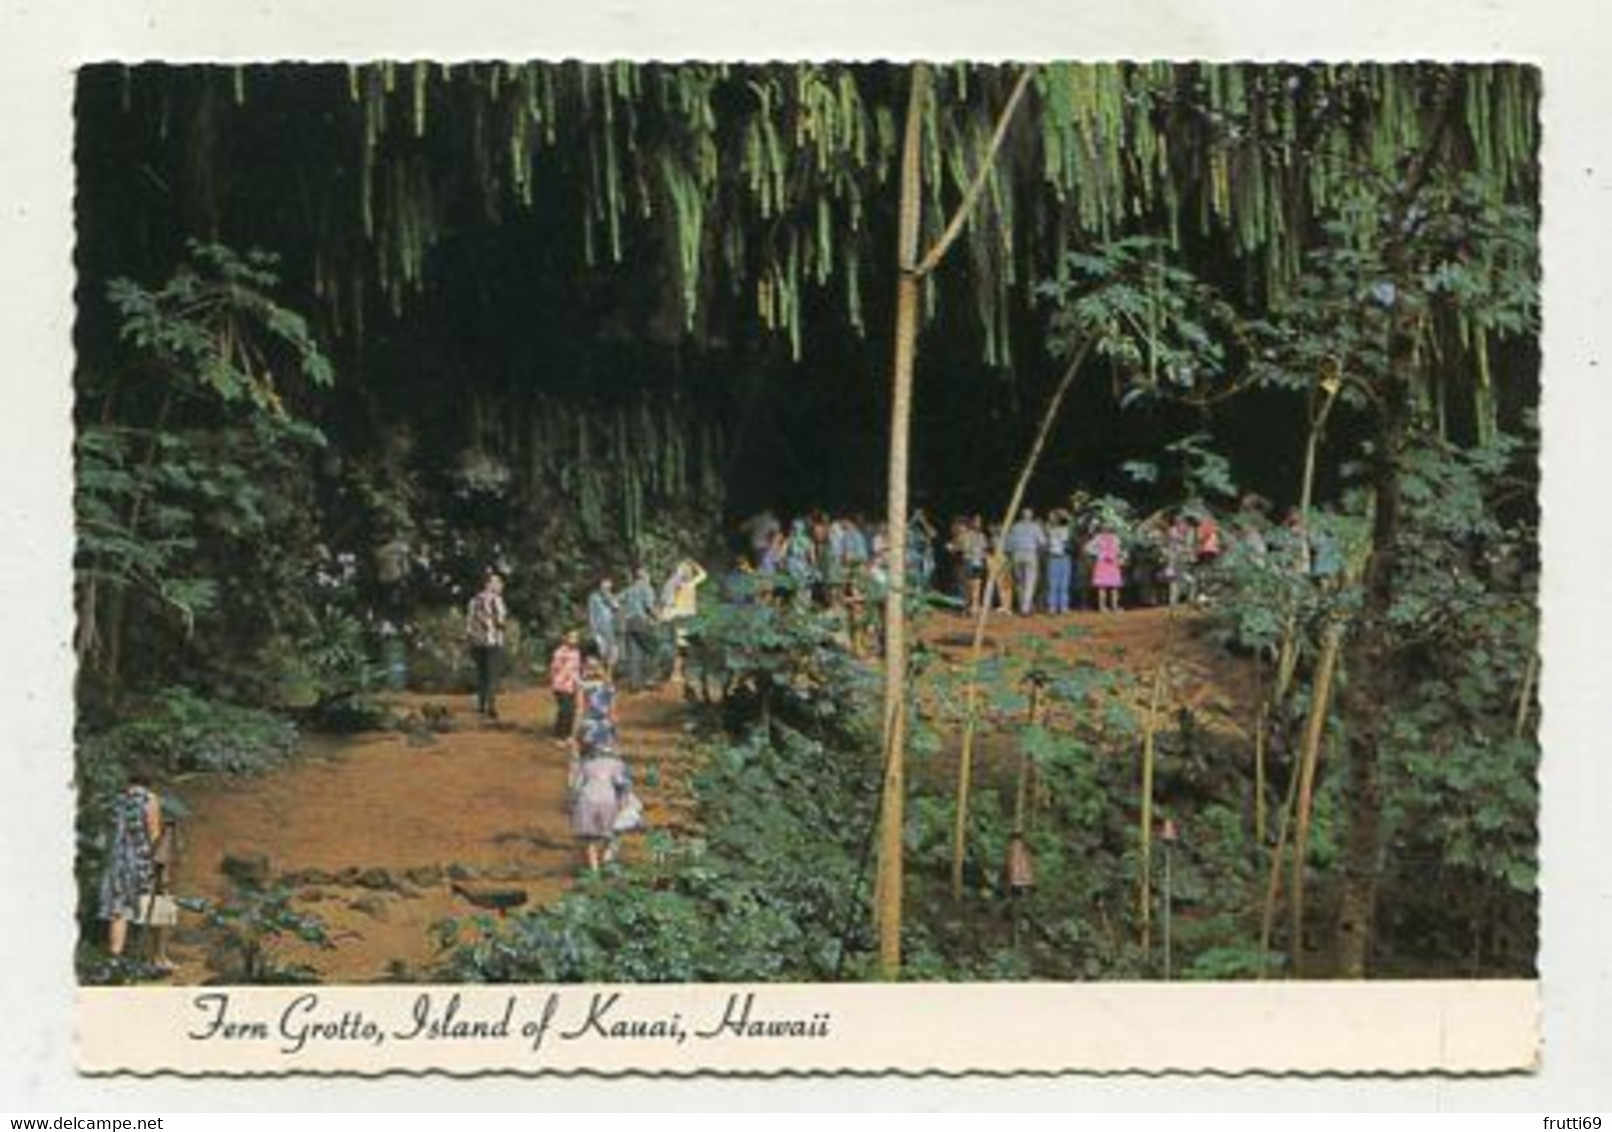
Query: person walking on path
{"x": 484, "y": 627}
{"x": 760, "y": 531}
{"x": 594, "y": 726}
{"x": 1025, "y": 541}
{"x": 565, "y": 675}
{"x": 1209, "y": 548}
{"x": 833, "y": 562}
{"x": 1060, "y": 562}
{"x": 1108, "y": 567}
{"x": 129, "y": 880}
{"x": 604, "y": 623}
{"x": 640, "y": 615}
{"x": 599, "y": 787}
{"x": 1208, "y": 539}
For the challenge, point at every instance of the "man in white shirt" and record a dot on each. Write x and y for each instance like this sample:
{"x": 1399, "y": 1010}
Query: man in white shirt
{"x": 484, "y": 628}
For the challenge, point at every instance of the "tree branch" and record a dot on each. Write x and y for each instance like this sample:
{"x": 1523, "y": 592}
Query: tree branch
{"x": 977, "y": 185}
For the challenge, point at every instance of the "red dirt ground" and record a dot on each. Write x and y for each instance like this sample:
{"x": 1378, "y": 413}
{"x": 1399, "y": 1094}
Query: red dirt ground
{"x": 486, "y": 798}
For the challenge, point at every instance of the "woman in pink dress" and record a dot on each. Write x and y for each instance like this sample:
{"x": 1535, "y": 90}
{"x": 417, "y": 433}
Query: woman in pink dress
{"x": 1108, "y": 568}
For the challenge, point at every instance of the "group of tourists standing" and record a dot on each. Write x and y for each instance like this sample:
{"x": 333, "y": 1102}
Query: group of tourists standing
{"x": 1050, "y": 565}
{"x": 1056, "y": 564}
{"x": 834, "y": 559}
{"x": 638, "y": 631}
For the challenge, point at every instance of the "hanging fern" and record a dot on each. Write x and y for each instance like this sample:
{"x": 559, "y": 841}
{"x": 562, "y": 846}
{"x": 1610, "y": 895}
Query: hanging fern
{"x": 762, "y": 177}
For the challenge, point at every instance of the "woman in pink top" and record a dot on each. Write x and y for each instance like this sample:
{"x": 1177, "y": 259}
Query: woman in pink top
{"x": 1108, "y": 569}
{"x": 565, "y": 673}
{"x": 1208, "y": 540}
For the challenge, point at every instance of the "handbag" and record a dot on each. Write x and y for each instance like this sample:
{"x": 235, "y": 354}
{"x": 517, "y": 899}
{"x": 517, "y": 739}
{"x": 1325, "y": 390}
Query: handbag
{"x": 157, "y": 910}
{"x": 573, "y": 784}
{"x": 629, "y": 815}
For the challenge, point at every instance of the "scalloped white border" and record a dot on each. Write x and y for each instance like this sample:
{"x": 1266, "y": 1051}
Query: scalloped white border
{"x": 39, "y": 43}
{"x": 948, "y": 1028}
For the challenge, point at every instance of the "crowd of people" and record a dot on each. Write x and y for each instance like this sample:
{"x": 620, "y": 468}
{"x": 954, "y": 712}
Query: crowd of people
{"x": 1085, "y": 556}
{"x": 1073, "y": 560}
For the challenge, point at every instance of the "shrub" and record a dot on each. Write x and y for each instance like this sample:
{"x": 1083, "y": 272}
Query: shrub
{"x": 176, "y": 730}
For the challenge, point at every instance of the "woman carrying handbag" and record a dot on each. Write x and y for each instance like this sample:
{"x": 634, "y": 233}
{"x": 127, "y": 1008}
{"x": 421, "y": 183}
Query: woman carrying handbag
{"x": 130, "y": 883}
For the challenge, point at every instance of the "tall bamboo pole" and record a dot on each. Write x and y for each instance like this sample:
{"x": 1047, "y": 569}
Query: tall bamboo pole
{"x": 887, "y": 909}
{"x": 887, "y": 885}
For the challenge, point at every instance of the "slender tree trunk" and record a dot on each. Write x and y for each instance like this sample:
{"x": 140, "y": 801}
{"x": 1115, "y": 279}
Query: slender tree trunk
{"x": 892, "y": 812}
{"x": 1314, "y": 728}
{"x": 1273, "y": 884}
{"x": 1150, "y": 729}
{"x": 887, "y": 884}
{"x": 1287, "y": 660}
{"x": 1261, "y": 730}
{"x": 1369, "y": 692}
{"x": 976, "y": 650}
{"x": 1525, "y": 697}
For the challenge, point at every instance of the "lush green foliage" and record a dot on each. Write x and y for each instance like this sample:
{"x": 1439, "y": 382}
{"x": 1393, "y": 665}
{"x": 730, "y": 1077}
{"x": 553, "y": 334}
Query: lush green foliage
{"x": 770, "y": 890}
{"x": 773, "y": 659}
{"x": 193, "y": 511}
{"x": 176, "y": 731}
{"x": 768, "y": 182}
{"x": 250, "y": 924}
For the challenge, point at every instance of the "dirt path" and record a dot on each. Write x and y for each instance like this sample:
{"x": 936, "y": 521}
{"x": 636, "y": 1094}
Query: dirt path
{"x": 369, "y": 830}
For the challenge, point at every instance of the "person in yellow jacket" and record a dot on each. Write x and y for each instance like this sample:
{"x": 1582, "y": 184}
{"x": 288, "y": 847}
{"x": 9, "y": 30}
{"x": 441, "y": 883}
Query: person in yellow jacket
{"x": 680, "y": 600}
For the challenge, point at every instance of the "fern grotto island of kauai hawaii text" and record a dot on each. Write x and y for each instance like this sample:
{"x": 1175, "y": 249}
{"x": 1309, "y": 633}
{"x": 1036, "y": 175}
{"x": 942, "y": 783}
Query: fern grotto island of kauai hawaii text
{"x": 306, "y": 1022}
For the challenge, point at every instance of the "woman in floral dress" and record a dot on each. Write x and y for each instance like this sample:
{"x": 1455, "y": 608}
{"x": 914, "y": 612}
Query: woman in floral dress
{"x": 595, "y": 727}
{"x": 131, "y": 874}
